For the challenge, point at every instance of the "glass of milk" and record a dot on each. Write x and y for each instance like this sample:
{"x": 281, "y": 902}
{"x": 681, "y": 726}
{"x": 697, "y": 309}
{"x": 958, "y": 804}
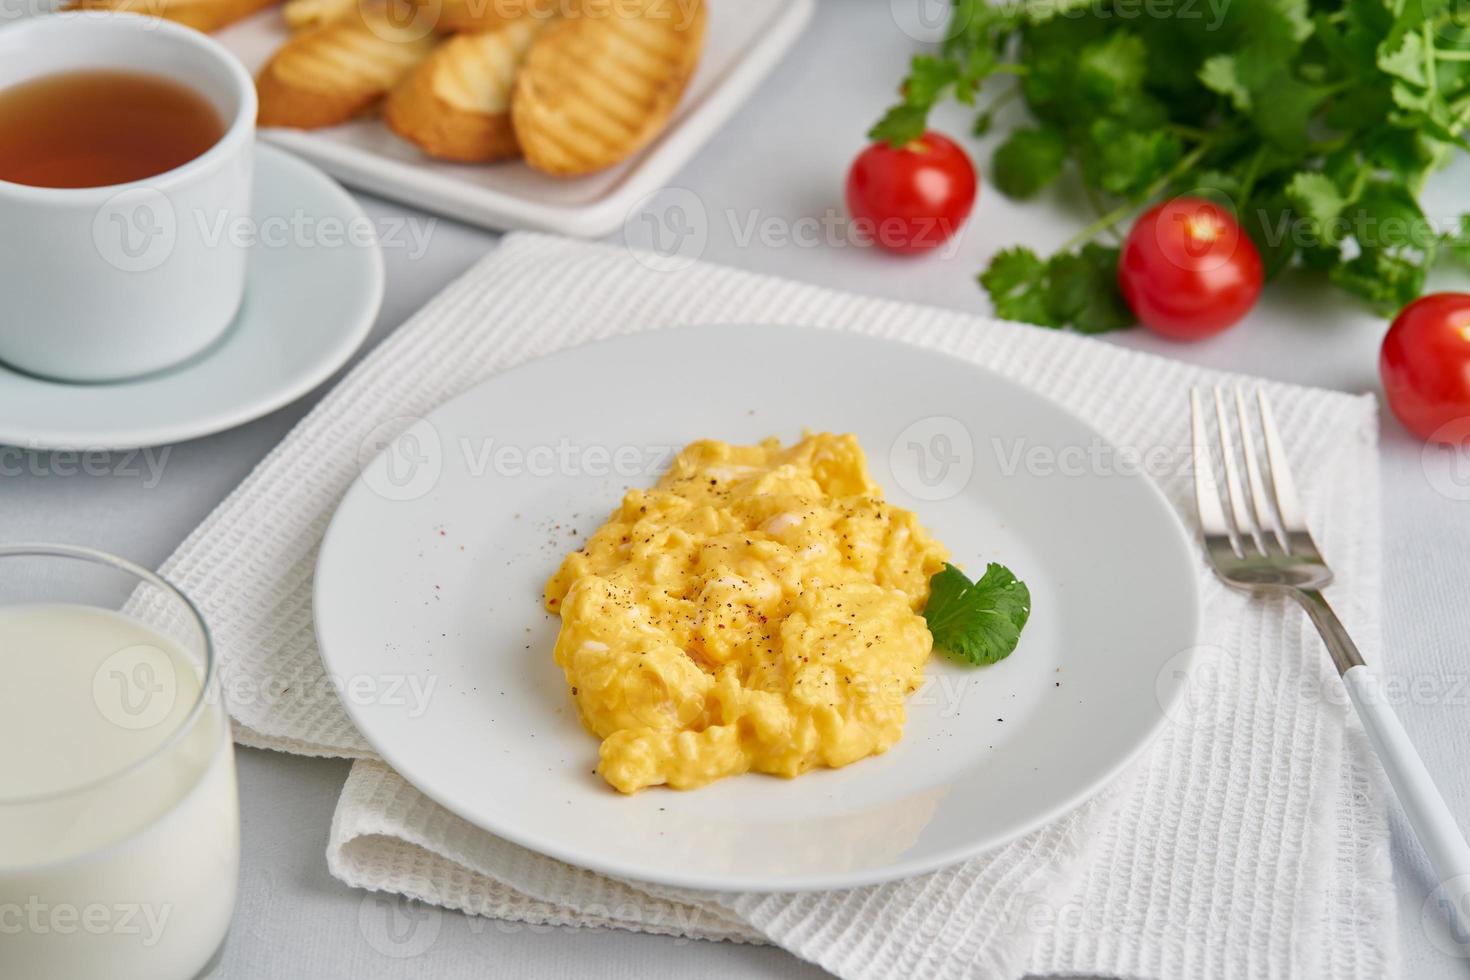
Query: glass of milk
{"x": 119, "y": 819}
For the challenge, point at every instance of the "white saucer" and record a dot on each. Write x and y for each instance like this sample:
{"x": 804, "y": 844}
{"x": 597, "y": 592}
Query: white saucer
{"x": 310, "y": 298}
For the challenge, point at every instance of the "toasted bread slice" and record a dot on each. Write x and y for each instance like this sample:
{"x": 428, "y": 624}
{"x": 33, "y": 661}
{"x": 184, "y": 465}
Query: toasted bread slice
{"x": 202, "y": 15}
{"x": 600, "y": 83}
{"x": 328, "y": 74}
{"x": 456, "y": 104}
{"x": 303, "y": 15}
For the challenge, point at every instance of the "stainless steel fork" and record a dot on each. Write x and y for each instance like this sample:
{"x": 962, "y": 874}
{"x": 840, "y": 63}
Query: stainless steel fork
{"x": 1257, "y": 540}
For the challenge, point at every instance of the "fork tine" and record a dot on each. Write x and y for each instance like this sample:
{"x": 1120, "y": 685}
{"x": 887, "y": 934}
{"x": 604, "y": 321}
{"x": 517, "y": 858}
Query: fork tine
{"x": 1288, "y": 505}
{"x": 1266, "y": 519}
{"x": 1244, "y": 522}
{"x": 1206, "y": 490}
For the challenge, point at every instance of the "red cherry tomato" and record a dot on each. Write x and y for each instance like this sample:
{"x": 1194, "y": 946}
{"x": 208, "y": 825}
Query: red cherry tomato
{"x": 911, "y": 198}
{"x": 1425, "y": 365}
{"x": 1187, "y": 270}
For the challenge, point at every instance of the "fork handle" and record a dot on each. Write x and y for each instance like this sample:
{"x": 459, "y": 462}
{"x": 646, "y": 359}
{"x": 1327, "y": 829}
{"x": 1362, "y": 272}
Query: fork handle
{"x": 1344, "y": 651}
{"x": 1433, "y": 824}
{"x": 1428, "y": 814}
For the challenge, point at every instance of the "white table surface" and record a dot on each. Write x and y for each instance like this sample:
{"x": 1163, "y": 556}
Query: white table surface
{"x": 770, "y": 185}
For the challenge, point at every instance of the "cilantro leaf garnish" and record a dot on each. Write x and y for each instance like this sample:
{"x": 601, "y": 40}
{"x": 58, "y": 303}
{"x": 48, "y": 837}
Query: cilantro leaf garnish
{"x": 979, "y": 622}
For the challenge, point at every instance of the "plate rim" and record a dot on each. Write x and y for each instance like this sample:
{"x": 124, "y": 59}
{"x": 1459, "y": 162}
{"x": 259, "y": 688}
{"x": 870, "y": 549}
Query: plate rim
{"x": 1086, "y": 790}
{"x": 107, "y": 437}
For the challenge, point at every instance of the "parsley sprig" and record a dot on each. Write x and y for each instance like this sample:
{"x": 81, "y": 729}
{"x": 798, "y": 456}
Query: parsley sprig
{"x": 978, "y": 621}
{"x": 1317, "y": 121}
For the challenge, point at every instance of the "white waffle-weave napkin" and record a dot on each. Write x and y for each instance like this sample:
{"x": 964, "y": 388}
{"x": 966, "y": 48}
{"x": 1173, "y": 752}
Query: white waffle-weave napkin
{"x": 1250, "y": 842}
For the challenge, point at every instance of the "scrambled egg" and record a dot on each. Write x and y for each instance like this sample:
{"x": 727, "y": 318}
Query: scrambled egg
{"x": 757, "y": 610}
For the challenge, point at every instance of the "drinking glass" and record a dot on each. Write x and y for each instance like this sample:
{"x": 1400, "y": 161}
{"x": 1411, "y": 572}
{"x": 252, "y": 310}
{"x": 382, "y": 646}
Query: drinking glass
{"x": 119, "y": 815}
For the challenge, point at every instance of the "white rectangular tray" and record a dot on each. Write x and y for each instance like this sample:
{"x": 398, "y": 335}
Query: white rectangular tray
{"x": 744, "y": 40}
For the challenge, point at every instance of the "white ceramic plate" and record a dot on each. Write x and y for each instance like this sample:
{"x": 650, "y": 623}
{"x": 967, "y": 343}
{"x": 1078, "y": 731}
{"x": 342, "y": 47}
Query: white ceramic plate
{"x": 433, "y": 566}
{"x": 310, "y": 299}
{"x": 743, "y": 41}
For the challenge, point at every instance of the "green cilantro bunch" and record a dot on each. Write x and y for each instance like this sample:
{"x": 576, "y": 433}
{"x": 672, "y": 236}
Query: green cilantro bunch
{"x": 1316, "y": 121}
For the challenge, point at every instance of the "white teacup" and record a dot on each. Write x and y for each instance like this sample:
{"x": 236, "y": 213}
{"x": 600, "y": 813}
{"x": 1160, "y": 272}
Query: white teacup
{"x": 104, "y": 283}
